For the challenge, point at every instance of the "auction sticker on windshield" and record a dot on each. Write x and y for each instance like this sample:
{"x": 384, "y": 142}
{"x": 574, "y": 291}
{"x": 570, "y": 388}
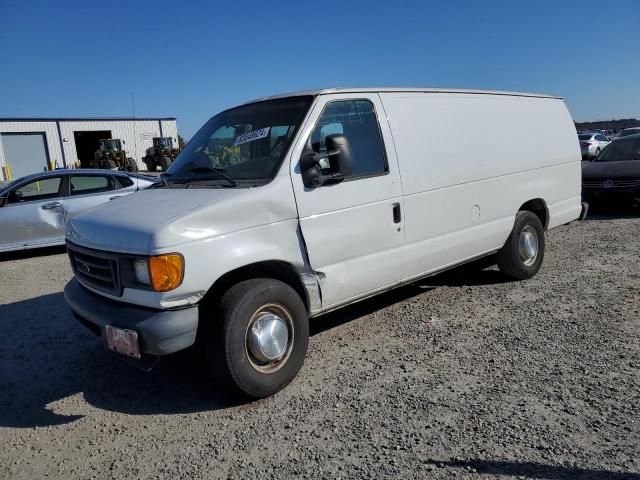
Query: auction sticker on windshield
{"x": 251, "y": 136}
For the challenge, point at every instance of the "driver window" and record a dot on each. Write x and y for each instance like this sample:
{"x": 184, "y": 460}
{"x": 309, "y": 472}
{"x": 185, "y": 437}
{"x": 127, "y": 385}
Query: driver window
{"x": 36, "y": 190}
{"x": 357, "y": 121}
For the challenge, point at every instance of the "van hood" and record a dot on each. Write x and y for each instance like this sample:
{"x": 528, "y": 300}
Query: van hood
{"x": 156, "y": 219}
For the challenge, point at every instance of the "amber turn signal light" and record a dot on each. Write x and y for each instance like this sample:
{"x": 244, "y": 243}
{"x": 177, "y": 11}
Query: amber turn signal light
{"x": 166, "y": 271}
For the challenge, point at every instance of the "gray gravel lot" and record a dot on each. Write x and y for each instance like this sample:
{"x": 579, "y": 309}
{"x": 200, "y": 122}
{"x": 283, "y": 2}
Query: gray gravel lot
{"x": 463, "y": 375}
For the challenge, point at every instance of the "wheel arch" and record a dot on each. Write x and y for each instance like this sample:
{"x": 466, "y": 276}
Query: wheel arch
{"x": 539, "y": 207}
{"x": 275, "y": 269}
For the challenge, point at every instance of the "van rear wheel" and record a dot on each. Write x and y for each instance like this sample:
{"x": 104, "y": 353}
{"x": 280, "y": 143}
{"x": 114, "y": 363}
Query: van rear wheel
{"x": 522, "y": 254}
{"x": 263, "y": 338}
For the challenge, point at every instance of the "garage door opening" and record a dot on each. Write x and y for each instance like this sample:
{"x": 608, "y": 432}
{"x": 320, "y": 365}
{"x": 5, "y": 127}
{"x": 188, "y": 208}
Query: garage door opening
{"x": 25, "y": 153}
{"x": 87, "y": 143}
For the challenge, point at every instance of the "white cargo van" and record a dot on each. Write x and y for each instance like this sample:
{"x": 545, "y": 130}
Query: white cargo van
{"x": 288, "y": 207}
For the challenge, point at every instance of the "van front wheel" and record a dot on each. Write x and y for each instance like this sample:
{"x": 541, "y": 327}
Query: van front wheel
{"x": 522, "y": 254}
{"x": 263, "y": 339}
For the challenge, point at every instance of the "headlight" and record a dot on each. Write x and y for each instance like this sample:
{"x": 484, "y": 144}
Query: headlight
{"x": 165, "y": 271}
{"x": 141, "y": 271}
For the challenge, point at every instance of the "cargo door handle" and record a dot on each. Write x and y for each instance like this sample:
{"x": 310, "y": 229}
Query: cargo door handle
{"x": 51, "y": 206}
{"x": 397, "y": 214}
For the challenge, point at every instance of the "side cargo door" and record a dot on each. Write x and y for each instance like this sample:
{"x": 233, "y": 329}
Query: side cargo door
{"x": 353, "y": 229}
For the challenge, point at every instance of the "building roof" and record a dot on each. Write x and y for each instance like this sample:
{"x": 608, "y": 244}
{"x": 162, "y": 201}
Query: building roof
{"x": 326, "y": 91}
{"x": 81, "y": 119}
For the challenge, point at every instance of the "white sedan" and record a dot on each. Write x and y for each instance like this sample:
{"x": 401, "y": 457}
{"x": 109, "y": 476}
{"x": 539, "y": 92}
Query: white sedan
{"x": 591, "y": 144}
{"x": 35, "y": 208}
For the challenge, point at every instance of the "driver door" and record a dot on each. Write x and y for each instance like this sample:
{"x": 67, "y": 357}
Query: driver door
{"x": 353, "y": 229}
{"x": 33, "y": 214}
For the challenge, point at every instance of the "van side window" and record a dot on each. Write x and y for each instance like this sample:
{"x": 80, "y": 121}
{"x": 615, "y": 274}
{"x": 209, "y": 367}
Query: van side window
{"x": 357, "y": 121}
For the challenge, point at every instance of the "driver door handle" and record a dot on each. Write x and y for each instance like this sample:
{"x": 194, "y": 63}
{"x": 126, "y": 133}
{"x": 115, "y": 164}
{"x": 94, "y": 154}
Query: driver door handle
{"x": 397, "y": 213}
{"x": 51, "y": 206}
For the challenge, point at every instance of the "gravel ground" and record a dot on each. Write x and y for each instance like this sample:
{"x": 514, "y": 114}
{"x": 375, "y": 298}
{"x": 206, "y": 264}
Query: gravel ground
{"x": 462, "y": 375}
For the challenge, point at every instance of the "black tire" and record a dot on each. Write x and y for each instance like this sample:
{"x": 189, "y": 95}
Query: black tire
{"x": 165, "y": 163}
{"x": 151, "y": 165}
{"x": 514, "y": 260}
{"x": 227, "y": 348}
{"x": 132, "y": 165}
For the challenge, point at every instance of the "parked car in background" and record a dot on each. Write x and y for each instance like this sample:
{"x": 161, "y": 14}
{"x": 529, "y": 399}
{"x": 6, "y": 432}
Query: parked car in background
{"x": 34, "y": 209}
{"x": 591, "y": 144}
{"x": 289, "y": 207}
{"x": 615, "y": 173}
{"x": 625, "y": 132}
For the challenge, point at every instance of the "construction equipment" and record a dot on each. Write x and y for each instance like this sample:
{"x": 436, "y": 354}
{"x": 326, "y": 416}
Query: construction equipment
{"x": 162, "y": 154}
{"x": 111, "y": 155}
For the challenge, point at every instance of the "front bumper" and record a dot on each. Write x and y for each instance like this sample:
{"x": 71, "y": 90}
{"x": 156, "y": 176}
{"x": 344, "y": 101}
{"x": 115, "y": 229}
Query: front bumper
{"x": 161, "y": 332}
{"x": 609, "y": 194}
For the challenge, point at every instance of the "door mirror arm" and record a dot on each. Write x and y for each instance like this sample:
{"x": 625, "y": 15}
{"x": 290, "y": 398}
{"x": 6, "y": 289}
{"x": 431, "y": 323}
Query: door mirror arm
{"x": 339, "y": 156}
{"x": 311, "y": 173}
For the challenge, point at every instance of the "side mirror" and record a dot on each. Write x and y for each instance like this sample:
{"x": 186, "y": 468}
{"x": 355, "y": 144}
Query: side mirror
{"x": 339, "y": 151}
{"x": 16, "y": 196}
{"x": 339, "y": 158}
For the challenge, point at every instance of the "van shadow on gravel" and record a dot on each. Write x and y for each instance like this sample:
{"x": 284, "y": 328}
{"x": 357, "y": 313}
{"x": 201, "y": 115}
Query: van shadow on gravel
{"x": 32, "y": 252}
{"x": 471, "y": 274}
{"x": 537, "y": 470}
{"x": 47, "y": 356}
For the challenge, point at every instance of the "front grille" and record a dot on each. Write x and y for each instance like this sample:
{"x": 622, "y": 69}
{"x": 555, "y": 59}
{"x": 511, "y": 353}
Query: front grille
{"x": 95, "y": 269}
{"x": 611, "y": 183}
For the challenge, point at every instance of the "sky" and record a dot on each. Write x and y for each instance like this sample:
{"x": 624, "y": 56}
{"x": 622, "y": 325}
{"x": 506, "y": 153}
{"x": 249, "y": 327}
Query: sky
{"x": 192, "y": 59}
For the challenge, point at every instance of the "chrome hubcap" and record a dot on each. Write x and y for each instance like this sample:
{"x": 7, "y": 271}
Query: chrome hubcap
{"x": 269, "y": 338}
{"x": 528, "y": 245}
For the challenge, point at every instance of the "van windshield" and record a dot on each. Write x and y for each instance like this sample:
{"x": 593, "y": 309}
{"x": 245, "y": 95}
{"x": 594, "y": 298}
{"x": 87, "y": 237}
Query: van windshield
{"x": 243, "y": 146}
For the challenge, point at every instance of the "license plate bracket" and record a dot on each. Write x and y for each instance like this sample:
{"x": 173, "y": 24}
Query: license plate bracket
{"x": 122, "y": 341}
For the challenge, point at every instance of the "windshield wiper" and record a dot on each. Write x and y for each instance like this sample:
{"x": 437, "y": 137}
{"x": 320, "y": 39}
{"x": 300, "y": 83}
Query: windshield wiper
{"x": 217, "y": 171}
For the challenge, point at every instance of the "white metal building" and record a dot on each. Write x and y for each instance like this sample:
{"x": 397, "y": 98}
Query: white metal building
{"x": 29, "y": 145}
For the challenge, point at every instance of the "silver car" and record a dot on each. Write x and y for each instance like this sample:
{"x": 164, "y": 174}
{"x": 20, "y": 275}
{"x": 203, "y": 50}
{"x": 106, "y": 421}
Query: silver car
{"x": 35, "y": 208}
{"x": 591, "y": 144}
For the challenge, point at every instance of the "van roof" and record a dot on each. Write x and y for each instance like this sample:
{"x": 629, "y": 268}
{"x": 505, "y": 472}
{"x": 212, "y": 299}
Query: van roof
{"x": 326, "y": 91}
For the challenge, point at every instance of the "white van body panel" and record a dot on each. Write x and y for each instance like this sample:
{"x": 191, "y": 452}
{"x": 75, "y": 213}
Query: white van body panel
{"x": 215, "y": 230}
{"x": 463, "y": 185}
{"x": 458, "y": 189}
